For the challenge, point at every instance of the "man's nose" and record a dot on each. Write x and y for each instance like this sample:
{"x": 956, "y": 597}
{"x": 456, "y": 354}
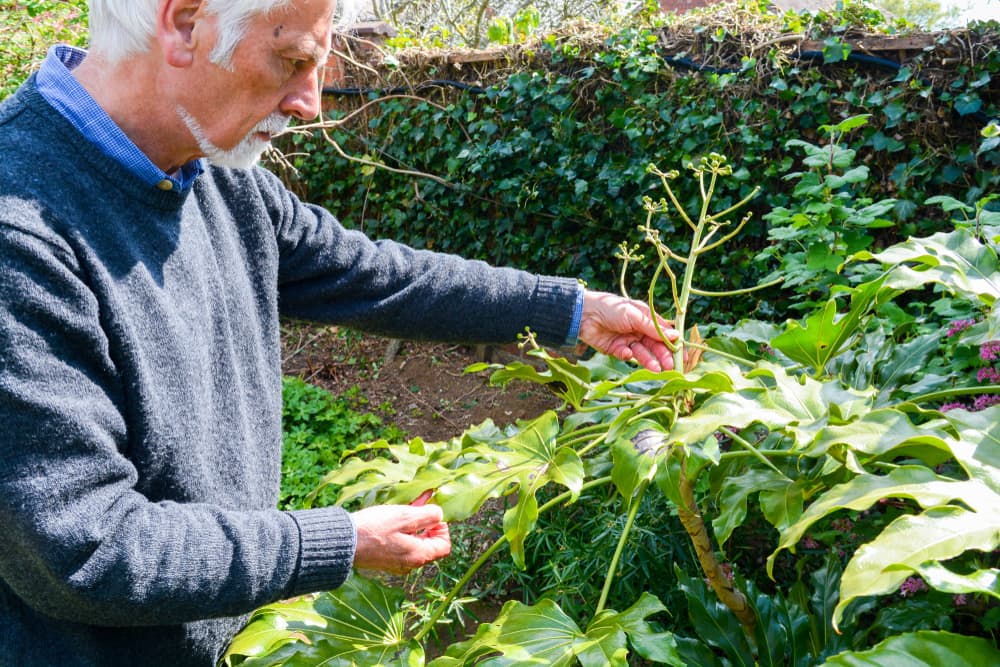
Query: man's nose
{"x": 304, "y": 101}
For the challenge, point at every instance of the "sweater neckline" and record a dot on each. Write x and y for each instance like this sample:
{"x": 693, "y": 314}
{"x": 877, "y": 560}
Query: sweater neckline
{"x": 103, "y": 166}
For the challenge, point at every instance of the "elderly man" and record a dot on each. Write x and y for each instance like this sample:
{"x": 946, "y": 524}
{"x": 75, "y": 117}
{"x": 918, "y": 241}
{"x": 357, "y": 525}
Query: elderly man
{"x": 140, "y": 289}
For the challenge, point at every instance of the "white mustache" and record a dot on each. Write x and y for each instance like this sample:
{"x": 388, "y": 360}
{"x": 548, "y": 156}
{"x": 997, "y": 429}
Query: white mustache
{"x": 273, "y": 125}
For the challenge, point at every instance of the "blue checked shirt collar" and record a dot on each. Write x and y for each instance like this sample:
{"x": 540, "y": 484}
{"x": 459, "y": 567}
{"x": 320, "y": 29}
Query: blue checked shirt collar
{"x": 69, "y": 98}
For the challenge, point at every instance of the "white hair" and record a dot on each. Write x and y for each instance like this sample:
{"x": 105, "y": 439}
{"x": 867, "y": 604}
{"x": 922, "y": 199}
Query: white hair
{"x": 123, "y": 28}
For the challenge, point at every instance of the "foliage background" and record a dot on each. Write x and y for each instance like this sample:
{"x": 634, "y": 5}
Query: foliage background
{"x": 545, "y": 160}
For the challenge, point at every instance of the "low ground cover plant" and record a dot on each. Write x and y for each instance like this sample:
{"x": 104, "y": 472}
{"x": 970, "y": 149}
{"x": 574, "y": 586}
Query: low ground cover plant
{"x": 317, "y": 429}
{"x": 836, "y": 478}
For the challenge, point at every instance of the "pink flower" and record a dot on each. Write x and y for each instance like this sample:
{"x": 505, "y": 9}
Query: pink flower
{"x": 912, "y": 586}
{"x": 985, "y": 401}
{"x": 808, "y": 542}
{"x": 954, "y": 405}
{"x": 988, "y": 374}
{"x": 842, "y": 525}
{"x": 958, "y": 326}
{"x": 990, "y": 351}
{"x": 960, "y": 600}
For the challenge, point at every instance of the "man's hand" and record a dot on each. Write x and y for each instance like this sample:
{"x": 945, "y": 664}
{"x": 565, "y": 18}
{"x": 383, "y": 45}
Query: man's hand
{"x": 624, "y": 328}
{"x": 400, "y": 538}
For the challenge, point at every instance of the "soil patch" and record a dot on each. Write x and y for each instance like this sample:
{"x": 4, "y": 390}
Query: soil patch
{"x": 423, "y": 388}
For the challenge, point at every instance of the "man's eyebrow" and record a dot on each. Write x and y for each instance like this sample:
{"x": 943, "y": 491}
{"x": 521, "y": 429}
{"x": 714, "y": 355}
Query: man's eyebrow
{"x": 306, "y": 50}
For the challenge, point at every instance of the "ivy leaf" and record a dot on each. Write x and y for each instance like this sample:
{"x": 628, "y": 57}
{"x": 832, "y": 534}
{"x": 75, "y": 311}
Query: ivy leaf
{"x": 880, "y": 566}
{"x": 362, "y": 622}
{"x": 968, "y": 103}
{"x": 926, "y": 648}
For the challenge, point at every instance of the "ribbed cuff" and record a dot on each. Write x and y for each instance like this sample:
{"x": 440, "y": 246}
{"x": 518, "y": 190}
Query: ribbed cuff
{"x": 328, "y": 540}
{"x": 555, "y": 300}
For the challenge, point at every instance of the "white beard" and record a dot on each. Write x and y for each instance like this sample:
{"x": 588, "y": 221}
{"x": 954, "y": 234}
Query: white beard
{"x": 250, "y": 149}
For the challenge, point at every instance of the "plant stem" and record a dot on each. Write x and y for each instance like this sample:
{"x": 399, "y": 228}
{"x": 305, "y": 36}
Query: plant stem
{"x": 757, "y": 454}
{"x": 694, "y": 524}
{"x": 460, "y": 584}
{"x": 958, "y": 391}
{"x": 623, "y": 538}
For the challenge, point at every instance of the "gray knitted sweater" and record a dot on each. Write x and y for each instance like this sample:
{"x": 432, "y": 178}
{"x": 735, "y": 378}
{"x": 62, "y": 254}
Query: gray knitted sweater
{"x": 140, "y": 391}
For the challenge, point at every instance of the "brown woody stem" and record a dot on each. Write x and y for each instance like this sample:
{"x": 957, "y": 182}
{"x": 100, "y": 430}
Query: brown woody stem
{"x": 694, "y": 524}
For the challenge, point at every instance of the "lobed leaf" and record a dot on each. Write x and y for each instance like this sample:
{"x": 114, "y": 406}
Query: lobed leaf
{"x": 909, "y": 542}
{"x": 922, "y": 649}
{"x": 956, "y": 260}
{"x": 360, "y": 623}
{"x": 915, "y": 482}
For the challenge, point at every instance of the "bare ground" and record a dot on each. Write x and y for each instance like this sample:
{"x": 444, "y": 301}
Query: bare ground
{"x": 420, "y": 387}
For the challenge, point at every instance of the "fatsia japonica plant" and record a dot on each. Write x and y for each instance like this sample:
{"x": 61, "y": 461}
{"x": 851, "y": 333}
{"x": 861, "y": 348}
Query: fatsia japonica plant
{"x": 830, "y": 426}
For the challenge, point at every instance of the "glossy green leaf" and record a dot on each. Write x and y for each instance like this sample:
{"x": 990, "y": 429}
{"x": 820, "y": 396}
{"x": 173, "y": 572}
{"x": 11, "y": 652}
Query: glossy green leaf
{"x": 715, "y": 623}
{"x": 522, "y": 635}
{"x": 486, "y": 463}
{"x": 880, "y": 566}
{"x": 978, "y": 449}
{"x": 360, "y": 623}
{"x": 651, "y": 644}
{"x": 604, "y": 643}
{"x": 569, "y": 380}
{"x": 956, "y": 260}
{"x": 824, "y": 334}
{"x": 882, "y": 432}
{"x": 915, "y": 482}
{"x": 733, "y": 499}
{"x": 922, "y": 649}
{"x": 636, "y": 454}
{"x": 518, "y": 522}
{"x": 787, "y": 401}
{"x": 938, "y": 577}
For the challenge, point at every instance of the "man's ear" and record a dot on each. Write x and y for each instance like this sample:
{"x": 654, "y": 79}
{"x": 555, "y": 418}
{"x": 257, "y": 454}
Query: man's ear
{"x": 176, "y": 30}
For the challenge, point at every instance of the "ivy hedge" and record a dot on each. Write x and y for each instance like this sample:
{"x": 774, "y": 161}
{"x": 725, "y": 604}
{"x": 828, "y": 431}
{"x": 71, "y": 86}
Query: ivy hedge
{"x": 546, "y": 167}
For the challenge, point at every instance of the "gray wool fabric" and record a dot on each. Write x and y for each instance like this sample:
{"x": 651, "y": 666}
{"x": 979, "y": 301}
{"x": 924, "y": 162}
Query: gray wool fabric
{"x": 140, "y": 391}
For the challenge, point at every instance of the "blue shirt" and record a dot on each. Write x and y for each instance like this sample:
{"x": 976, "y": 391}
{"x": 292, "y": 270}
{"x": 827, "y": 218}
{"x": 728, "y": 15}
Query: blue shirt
{"x": 61, "y": 89}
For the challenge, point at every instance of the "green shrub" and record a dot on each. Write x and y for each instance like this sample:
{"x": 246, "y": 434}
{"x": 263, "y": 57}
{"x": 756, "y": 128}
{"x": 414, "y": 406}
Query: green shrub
{"x": 318, "y": 428}
{"x": 29, "y": 28}
{"x": 548, "y": 167}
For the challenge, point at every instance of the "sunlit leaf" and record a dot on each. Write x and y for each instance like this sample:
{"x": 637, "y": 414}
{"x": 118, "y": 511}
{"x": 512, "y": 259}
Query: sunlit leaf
{"x": 956, "y": 260}
{"x": 824, "y": 334}
{"x": 922, "y": 649}
{"x": 914, "y": 482}
{"x": 880, "y": 566}
{"x": 360, "y": 623}
{"x": 636, "y": 455}
{"x": 603, "y": 638}
{"x": 883, "y": 432}
{"x": 938, "y": 577}
{"x": 522, "y": 635}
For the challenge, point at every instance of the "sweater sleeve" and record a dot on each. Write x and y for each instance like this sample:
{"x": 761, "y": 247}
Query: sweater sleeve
{"x": 329, "y": 273}
{"x": 79, "y": 541}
